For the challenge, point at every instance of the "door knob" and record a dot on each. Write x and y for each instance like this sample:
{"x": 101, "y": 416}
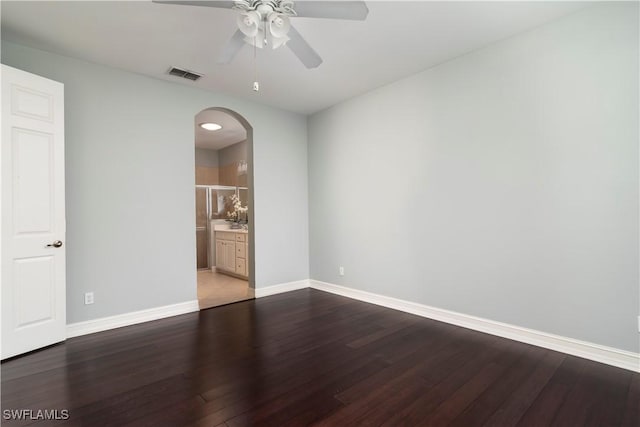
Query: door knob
{"x": 55, "y": 244}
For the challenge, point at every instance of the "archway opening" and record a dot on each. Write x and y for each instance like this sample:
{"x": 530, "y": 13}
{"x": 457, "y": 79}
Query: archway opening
{"x": 224, "y": 200}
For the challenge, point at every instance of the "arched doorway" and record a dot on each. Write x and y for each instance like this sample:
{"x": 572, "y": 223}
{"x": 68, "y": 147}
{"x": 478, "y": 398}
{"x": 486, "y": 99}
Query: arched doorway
{"x": 225, "y": 237}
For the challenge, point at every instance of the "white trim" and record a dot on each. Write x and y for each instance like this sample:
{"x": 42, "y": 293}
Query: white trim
{"x": 283, "y": 287}
{"x": 127, "y": 319}
{"x": 599, "y": 353}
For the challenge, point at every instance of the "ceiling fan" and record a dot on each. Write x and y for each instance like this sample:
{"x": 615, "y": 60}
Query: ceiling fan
{"x": 266, "y": 23}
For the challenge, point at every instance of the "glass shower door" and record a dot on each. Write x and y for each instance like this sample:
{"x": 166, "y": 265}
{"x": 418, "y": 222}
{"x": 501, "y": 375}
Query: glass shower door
{"x": 202, "y": 227}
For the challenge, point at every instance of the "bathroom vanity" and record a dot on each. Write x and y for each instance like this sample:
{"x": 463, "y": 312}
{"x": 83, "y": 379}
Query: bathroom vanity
{"x": 232, "y": 251}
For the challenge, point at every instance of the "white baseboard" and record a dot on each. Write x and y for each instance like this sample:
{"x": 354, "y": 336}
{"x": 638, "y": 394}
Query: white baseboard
{"x": 599, "y": 353}
{"x": 127, "y": 319}
{"x": 283, "y": 287}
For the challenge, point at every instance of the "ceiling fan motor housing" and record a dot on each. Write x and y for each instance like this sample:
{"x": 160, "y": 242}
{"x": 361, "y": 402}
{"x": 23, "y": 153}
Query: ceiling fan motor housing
{"x": 265, "y": 7}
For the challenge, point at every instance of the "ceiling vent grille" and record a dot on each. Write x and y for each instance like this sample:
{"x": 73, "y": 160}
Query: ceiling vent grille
{"x": 185, "y": 74}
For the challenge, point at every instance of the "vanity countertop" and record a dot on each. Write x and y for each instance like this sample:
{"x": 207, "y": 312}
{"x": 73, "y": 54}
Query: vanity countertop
{"x": 227, "y": 228}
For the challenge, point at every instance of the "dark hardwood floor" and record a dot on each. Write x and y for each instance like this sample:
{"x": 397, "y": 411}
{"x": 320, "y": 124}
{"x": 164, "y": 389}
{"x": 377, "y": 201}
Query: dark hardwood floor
{"x": 309, "y": 357}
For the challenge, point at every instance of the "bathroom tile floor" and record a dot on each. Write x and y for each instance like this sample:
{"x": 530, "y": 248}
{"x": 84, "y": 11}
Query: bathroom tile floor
{"x": 216, "y": 289}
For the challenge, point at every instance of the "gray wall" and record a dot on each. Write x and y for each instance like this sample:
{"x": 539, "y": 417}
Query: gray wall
{"x": 207, "y": 158}
{"x": 502, "y": 184}
{"x": 233, "y": 153}
{"x": 130, "y": 177}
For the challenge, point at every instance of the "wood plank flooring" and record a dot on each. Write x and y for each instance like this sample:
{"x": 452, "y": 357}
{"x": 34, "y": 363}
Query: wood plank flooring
{"x": 312, "y": 358}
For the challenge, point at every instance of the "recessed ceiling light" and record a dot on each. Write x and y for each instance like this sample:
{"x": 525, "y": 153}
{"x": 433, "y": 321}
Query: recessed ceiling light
{"x": 210, "y": 126}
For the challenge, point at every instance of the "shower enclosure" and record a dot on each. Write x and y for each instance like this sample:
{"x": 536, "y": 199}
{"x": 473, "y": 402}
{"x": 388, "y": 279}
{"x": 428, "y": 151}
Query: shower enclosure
{"x": 212, "y": 203}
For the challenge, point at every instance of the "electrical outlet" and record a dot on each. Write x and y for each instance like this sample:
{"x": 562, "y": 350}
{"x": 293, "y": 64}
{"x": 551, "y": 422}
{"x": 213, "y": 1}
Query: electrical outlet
{"x": 341, "y": 270}
{"x": 88, "y": 298}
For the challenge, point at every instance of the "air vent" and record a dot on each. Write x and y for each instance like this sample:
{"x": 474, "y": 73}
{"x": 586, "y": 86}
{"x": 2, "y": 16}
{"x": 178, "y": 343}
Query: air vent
{"x": 185, "y": 74}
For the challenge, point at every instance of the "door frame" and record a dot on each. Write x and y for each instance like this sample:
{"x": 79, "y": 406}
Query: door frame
{"x": 250, "y": 184}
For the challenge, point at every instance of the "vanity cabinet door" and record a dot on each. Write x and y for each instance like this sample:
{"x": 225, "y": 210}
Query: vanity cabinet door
{"x": 240, "y": 250}
{"x": 240, "y": 266}
{"x": 225, "y": 255}
{"x": 230, "y": 256}
{"x": 220, "y": 254}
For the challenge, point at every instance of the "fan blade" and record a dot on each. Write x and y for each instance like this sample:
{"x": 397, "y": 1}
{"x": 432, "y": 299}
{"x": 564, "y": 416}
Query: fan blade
{"x": 223, "y": 4}
{"x": 353, "y": 10}
{"x": 232, "y": 48}
{"x": 302, "y": 50}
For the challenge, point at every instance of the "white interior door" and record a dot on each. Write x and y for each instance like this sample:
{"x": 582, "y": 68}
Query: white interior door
{"x": 32, "y": 231}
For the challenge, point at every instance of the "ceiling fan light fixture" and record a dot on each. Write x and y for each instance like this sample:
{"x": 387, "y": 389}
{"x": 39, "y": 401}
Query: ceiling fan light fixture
{"x": 210, "y": 126}
{"x": 249, "y": 23}
{"x": 279, "y": 26}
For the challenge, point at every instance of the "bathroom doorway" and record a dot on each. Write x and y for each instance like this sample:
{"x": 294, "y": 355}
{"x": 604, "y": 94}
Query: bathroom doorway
{"x": 223, "y": 200}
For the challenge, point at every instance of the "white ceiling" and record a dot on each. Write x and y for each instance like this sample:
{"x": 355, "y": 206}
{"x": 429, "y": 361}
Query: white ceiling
{"x": 232, "y": 131}
{"x": 397, "y": 39}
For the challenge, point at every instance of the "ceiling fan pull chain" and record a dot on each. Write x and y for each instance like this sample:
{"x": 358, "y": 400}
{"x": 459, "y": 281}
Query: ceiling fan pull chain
{"x": 256, "y": 84}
